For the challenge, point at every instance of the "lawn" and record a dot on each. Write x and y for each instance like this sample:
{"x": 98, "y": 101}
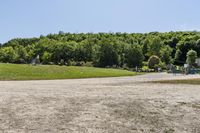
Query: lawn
{"x": 183, "y": 81}
{"x": 48, "y": 72}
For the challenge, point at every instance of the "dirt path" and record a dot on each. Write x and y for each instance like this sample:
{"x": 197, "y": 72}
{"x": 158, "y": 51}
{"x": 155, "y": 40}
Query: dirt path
{"x": 109, "y": 105}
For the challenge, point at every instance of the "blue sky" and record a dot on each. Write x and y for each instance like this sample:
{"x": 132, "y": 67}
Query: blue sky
{"x": 31, "y": 18}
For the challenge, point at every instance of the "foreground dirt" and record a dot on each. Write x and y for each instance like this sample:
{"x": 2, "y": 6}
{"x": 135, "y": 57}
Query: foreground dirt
{"x": 109, "y": 105}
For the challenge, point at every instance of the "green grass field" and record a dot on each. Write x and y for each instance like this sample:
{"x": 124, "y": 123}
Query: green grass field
{"x": 48, "y": 72}
{"x": 185, "y": 81}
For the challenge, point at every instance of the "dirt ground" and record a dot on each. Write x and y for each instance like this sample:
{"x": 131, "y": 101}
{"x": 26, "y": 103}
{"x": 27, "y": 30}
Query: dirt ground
{"x": 105, "y": 105}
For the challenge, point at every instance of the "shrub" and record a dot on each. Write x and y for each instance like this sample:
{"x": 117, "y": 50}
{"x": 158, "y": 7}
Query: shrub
{"x": 145, "y": 69}
{"x": 162, "y": 65}
{"x": 71, "y": 63}
{"x": 153, "y": 62}
{"x": 89, "y": 64}
{"x": 80, "y": 63}
{"x": 191, "y": 57}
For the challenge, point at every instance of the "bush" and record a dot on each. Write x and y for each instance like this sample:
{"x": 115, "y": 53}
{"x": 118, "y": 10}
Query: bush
{"x": 162, "y": 65}
{"x": 89, "y": 64}
{"x": 153, "y": 62}
{"x": 191, "y": 57}
{"x": 145, "y": 69}
{"x": 79, "y": 63}
{"x": 71, "y": 63}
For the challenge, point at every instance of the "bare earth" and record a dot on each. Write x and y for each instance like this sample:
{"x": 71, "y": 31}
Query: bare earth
{"x": 105, "y": 105}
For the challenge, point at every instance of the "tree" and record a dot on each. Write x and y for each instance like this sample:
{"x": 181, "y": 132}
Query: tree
{"x": 108, "y": 54}
{"x": 63, "y": 51}
{"x": 165, "y": 54}
{"x": 153, "y": 61}
{"x": 46, "y": 57}
{"x": 182, "y": 48}
{"x": 173, "y": 42}
{"x": 134, "y": 56}
{"x": 177, "y": 59}
{"x": 84, "y": 51}
{"x": 198, "y": 48}
{"x": 154, "y": 46}
{"x": 102, "y": 49}
{"x": 145, "y": 48}
{"x": 22, "y": 55}
{"x": 8, "y": 55}
{"x": 191, "y": 57}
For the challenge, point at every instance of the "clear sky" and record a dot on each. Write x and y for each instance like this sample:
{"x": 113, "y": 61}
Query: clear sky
{"x": 31, "y": 18}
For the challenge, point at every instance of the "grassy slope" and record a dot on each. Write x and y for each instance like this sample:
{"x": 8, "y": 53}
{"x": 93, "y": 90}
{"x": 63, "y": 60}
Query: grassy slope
{"x": 185, "y": 81}
{"x": 28, "y": 72}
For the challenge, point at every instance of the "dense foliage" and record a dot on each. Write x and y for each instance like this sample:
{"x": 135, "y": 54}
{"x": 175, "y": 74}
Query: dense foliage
{"x": 191, "y": 57}
{"x": 153, "y": 62}
{"x": 102, "y": 49}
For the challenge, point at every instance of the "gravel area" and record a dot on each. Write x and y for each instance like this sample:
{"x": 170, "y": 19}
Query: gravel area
{"x": 100, "y": 105}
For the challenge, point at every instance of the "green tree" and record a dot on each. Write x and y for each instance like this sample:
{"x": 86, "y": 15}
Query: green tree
{"x": 108, "y": 54}
{"x": 46, "y": 57}
{"x": 166, "y": 54}
{"x": 63, "y": 51}
{"x": 134, "y": 56}
{"x": 22, "y": 54}
{"x": 154, "y": 46}
{"x": 191, "y": 57}
{"x": 182, "y": 48}
{"x": 84, "y": 51}
{"x": 197, "y": 49}
{"x": 145, "y": 48}
{"x": 8, "y": 55}
{"x": 102, "y": 49}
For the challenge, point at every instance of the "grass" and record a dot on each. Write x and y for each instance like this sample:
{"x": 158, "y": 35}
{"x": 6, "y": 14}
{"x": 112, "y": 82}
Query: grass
{"x": 184, "y": 81}
{"x": 49, "y": 72}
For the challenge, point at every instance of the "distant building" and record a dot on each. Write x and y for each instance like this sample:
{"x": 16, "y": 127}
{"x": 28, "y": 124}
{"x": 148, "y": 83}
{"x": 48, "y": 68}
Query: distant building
{"x": 198, "y": 61}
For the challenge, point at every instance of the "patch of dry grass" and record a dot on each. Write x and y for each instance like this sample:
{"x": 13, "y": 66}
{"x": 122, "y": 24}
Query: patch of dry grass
{"x": 181, "y": 81}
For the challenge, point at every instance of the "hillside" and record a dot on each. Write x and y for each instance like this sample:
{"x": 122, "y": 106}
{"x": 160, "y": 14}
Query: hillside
{"x": 102, "y": 49}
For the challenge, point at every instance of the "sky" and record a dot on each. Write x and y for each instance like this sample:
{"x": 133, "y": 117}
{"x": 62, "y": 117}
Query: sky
{"x": 32, "y": 18}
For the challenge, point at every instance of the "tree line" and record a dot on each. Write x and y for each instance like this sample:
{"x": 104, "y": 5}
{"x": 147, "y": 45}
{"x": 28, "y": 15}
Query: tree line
{"x": 103, "y": 49}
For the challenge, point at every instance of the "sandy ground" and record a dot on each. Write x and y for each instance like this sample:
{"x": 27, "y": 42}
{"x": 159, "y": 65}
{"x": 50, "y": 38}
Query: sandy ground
{"x": 105, "y": 105}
